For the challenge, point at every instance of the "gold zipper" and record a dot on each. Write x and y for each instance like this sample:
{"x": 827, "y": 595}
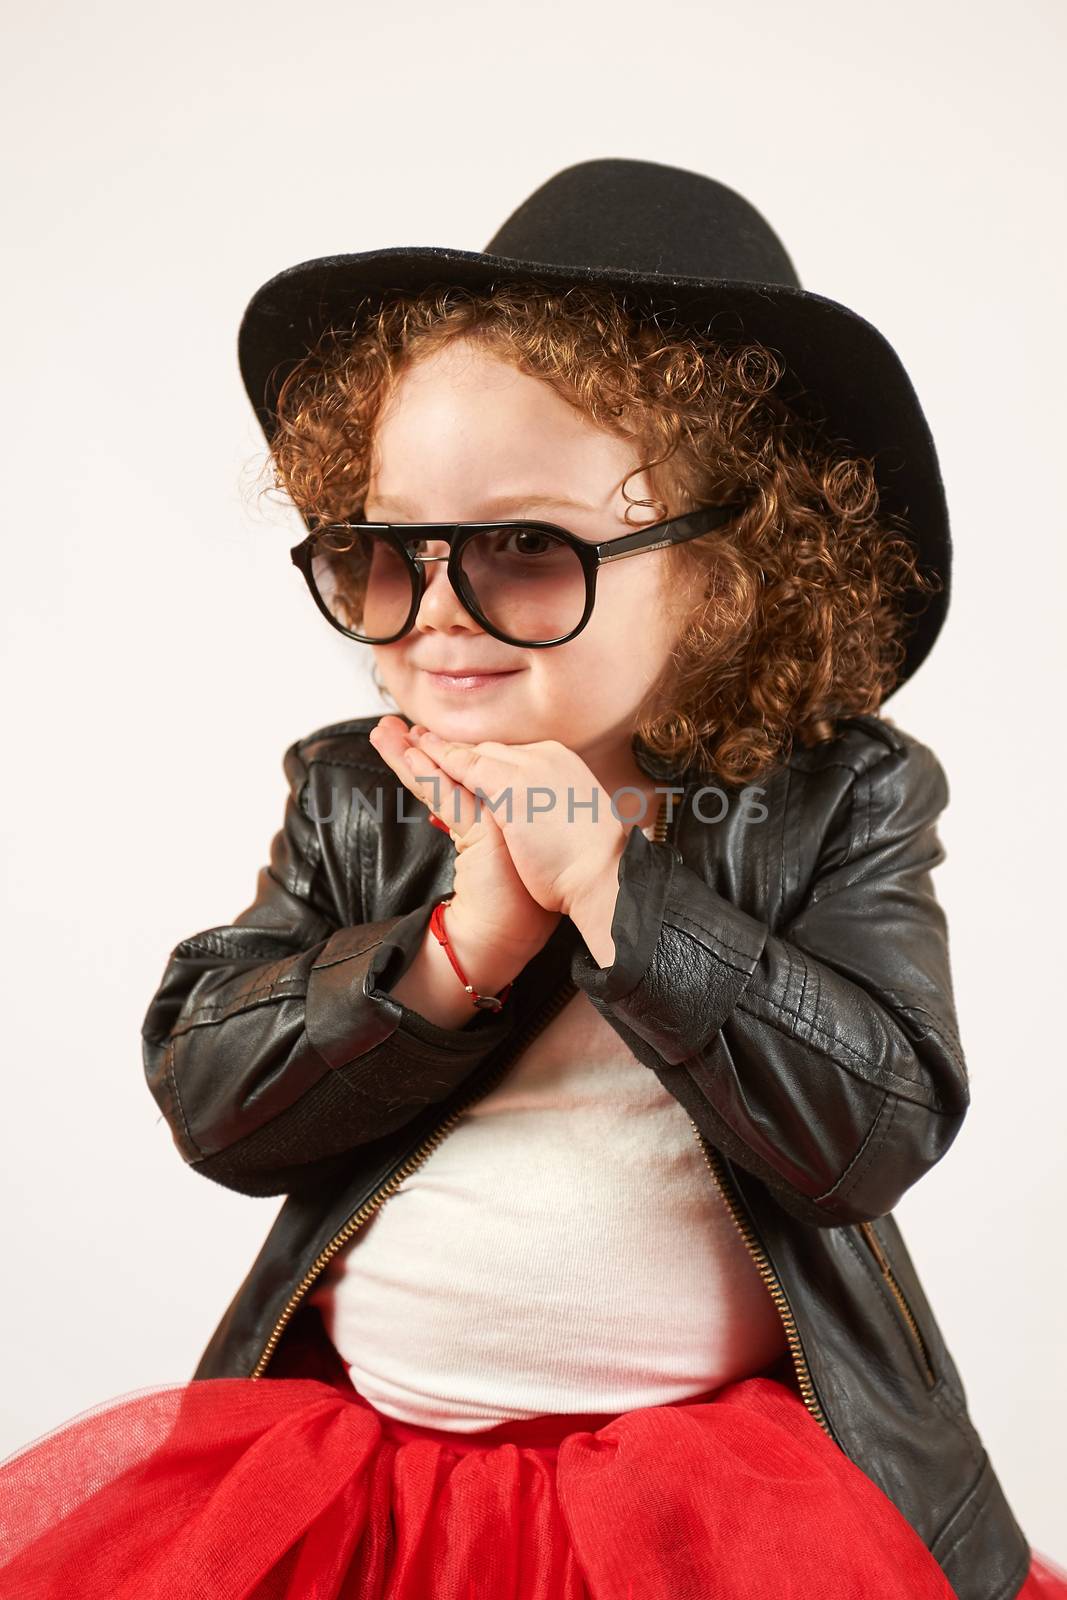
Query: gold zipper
{"x": 770, "y": 1279}
{"x": 877, "y": 1250}
{"x": 532, "y": 1027}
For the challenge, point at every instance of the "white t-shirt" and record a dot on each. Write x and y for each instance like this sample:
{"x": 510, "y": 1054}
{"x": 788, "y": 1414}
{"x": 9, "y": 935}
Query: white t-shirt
{"x": 563, "y": 1249}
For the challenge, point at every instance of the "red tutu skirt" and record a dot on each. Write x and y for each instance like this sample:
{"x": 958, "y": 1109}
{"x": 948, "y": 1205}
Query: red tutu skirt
{"x": 294, "y": 1489}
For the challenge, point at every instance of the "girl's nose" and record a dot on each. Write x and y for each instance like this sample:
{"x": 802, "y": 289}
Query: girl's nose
{"x": 441, "y": 606}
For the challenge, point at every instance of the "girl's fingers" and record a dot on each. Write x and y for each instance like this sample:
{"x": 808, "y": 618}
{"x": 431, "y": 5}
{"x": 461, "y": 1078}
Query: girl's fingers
{"x": 416, "y": 770}
{"x": 474, "y": 769}
{"x": 436, "y": 790}
{"x": 390, "y": 738}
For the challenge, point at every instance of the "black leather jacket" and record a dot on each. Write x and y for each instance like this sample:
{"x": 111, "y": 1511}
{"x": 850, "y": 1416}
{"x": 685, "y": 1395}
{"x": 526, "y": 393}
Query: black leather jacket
{"x": 783, "y": 970}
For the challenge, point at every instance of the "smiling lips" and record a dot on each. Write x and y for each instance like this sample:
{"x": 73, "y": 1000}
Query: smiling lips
{"x": 468, "y": 679}
{"x": 462, "y": 670}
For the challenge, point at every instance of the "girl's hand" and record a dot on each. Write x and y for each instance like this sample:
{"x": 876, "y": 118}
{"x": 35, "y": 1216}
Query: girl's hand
{"x": 559, "y": 851}
{"x": 490, "y": 902}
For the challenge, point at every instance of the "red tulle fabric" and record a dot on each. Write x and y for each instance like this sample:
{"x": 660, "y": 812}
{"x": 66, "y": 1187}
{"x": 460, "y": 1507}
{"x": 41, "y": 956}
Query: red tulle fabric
{"x": 290, "y": 1489}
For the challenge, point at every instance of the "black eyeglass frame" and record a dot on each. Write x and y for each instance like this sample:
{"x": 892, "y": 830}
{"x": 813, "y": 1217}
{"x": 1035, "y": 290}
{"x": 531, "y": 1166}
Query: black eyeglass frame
{"x": 592, "y": 555}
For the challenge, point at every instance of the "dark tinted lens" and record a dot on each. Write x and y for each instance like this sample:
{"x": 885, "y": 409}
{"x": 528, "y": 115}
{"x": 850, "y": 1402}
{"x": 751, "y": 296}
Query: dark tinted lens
{"x": 529, "y": 583}
{"x": 363, "y": 582}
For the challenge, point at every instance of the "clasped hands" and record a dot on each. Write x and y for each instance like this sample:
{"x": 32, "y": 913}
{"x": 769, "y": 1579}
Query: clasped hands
{"x": 564, "y": 863}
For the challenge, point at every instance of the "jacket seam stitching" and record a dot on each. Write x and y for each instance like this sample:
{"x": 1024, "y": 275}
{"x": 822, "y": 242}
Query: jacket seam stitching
{"x": 853, "y": 829}
{"x": 803, "y": 991}
{"x": 349, "y": 955}
{"x": 311, "y": 847}
{"x": 969, "y": 1507}
{"x": 932, "y": 1025}
{"x": 689, "y": 925}
{"x": 349, "y": 761}
{"x": 818, "y": 997}
{"x": 856, "y": 768}
{"x": 862, "y": 790}
{"x": 783, "y": 833}
{"x": 868, "y": 807}
{"x": 875, "y": 1137}
{"x": 286, "y": 980}
{"x": 201, "y": 946}
{"x": 172, "y": 1076}
{"x": 931, "y": 1102}
{"x": 251, "y": 997}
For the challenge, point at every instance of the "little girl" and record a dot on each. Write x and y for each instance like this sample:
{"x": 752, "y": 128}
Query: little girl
{"x": 593, "y": 1011}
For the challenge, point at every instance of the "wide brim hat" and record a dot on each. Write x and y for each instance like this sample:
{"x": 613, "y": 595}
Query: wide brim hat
{"x": 696, "y": 255}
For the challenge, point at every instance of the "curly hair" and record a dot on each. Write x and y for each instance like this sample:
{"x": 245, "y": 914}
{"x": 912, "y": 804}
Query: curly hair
{"x": 798, "y": 620}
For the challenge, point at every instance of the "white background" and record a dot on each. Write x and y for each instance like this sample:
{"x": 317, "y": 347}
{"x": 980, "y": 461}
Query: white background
{"x": 160, "y": 652}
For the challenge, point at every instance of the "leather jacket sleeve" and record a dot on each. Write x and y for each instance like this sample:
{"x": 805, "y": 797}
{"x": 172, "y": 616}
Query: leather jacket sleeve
{"x": 823, "y": 1056}
{"x": 271, "y": 1044}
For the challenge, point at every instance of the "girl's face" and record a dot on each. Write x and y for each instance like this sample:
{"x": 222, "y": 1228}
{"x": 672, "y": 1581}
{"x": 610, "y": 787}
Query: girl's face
{"x": 465, "y": 436}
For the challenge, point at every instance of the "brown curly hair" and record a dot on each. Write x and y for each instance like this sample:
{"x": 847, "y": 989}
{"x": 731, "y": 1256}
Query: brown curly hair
{"x": 799, "y": 621}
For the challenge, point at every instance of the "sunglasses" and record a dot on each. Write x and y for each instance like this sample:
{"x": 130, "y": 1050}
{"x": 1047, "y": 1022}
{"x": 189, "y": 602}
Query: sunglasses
{"x": 526, "y": 583}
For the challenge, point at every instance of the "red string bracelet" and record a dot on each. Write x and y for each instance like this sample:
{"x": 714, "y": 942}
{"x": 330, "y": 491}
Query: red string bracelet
{"x": 484, "y": 1002}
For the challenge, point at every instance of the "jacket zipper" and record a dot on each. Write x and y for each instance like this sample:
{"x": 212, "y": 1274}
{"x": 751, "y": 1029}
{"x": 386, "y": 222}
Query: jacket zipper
{"x": 878, "y": 1251}
{"x": 363, "y": 1214}
{"x": 734, "y": 1206}
{"x": 770, "y": 1278}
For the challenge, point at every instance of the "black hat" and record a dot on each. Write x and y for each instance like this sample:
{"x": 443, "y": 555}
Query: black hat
{"x": 688, "y": 250}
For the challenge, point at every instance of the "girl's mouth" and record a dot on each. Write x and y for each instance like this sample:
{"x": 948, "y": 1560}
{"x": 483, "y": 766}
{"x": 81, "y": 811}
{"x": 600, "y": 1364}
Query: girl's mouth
{"x": 466, "y": 681}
